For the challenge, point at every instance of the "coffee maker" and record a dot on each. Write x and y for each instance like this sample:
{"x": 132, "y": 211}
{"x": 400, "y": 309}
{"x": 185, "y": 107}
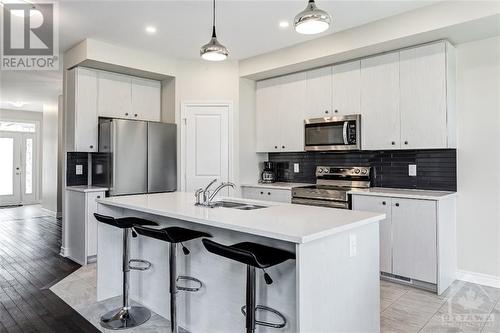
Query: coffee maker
{"x": 268, "y": 174}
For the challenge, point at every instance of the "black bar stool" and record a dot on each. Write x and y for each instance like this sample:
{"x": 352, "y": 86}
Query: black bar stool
{"x": 254, "y": 256}
{"x": 127, "y": 316}
{"x": 175, "y": 235}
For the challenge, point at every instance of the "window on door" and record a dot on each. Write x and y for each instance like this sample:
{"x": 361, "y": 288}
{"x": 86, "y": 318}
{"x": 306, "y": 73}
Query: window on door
{"x": 6, "y": 166}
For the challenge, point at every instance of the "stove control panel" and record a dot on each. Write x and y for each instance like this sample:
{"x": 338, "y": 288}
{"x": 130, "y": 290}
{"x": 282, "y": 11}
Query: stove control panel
{"x": 342, "y": 171}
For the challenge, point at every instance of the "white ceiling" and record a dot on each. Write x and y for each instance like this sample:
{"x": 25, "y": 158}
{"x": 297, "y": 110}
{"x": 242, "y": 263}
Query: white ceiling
{"x": 247, "y": 28}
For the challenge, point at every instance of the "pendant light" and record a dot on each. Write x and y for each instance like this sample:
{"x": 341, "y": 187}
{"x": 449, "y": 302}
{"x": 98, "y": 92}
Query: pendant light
{"x": 312, "y": 20}
{"x": 213, "y": 50}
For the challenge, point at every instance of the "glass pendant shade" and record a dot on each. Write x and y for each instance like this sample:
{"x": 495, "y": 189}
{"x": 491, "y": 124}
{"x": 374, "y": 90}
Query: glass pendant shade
{"x": 312, "y": 20}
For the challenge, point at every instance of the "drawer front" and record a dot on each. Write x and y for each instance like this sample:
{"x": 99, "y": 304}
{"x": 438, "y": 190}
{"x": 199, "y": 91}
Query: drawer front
{"x": 258, "y": 193}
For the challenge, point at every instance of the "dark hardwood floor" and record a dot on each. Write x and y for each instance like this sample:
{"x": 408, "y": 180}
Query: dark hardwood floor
{"x": 29, "y": 264}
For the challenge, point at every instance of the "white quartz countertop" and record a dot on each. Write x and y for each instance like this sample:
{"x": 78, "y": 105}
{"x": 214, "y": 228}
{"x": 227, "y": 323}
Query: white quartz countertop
{"x": 282, "y": 221}
{"x": 404, "y": 193}
{"x": 277, "y": 185}
{"x": 85, "y": 188}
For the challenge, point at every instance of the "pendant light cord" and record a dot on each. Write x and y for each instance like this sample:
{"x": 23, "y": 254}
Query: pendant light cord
{"x": 213, "y": 22}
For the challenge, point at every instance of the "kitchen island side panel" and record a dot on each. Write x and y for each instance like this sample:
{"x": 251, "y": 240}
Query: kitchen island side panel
{"x": 338, "y": 282}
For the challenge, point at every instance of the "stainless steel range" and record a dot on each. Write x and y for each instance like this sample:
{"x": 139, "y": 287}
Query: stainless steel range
{"x": 332, "y": 185}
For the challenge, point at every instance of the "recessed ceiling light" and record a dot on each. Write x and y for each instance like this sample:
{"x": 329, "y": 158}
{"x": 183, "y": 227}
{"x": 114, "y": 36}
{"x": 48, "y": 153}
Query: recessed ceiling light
{"x": 284, "y": 24}
{"x": 151, "y": 29}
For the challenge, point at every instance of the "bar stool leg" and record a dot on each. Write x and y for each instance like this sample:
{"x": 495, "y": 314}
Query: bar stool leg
{"x": 250, "y": 299}
{"x": 173, "y": 287}
{"x": 127, "y": 316}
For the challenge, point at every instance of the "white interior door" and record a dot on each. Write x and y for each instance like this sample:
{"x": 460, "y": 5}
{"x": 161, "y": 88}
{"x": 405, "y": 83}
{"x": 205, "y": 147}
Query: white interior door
{"x": 18, "y": 169}
{"x": 206, "y": 145}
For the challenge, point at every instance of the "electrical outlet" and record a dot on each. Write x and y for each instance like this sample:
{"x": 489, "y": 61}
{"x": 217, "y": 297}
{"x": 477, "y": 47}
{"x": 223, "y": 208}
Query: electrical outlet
{"x": 79, "y": 169}
{"x": 296, "y": 167}
{"x": 412, "y": 170}
{"x": 353, "y": 245}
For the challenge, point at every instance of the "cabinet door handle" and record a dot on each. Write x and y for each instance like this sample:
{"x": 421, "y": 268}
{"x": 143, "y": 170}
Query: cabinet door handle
{"x": 135, "y": 115}
{"x": 261, "y": 192}
{"x": 326, "y": 111}
{"x": 397, "y": 204}
{"x": 275, "y": 147}
{"x": 393, "y": 143}
{"x": 91, "y": 147}
{"x": 336, "y": 111}
{"x": 406, "y": 142}
{"x": 283, "y": 147}
{"x": 383, "y": 203}
{"x": 268, "y": 193}
{"x": 126, "y": 113}
{"x": 98, "y": 197}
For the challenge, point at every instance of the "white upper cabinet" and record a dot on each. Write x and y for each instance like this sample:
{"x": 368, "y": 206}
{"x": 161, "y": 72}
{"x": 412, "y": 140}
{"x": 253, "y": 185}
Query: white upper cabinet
{"x": 380, "y": 120}
{"x": 319, "y": 93}
{"x": 81, "y": 113}
{"x": 424, "y": 108}
{"x": 115, "y": 95}
{"x": 346, "y": 88}
{"x": 123, "y": 96}
{"x": 268, "y": 115}
{"x": 146, "y": 99}
{"x": 406, "y": 100}
{"x": 281, "y": 104}
{"x": 292, "y": 111}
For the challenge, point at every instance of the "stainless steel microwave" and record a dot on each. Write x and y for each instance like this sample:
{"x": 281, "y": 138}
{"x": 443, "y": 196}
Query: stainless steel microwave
{"x": 333, "y": 133}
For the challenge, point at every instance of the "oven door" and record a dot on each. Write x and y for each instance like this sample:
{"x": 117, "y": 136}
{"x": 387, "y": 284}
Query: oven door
{"x": 332, "y": 133}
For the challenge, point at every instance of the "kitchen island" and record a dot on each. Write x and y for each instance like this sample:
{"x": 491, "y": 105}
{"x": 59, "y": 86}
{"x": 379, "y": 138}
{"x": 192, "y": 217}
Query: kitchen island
{"x": 332, "y": 286}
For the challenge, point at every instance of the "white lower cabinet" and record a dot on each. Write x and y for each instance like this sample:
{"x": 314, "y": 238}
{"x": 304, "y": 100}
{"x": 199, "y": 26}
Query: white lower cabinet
{"x": 81, "y": 225}
{"x": 379, "y": 205}
{"x": 267, "y": 194}
{"x": 417, "y": 238}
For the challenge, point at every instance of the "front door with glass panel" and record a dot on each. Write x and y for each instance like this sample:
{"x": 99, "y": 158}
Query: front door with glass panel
{"x": 17, "y": 168}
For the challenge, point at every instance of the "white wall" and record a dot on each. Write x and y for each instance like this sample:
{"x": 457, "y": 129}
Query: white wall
{"x": 50, "y": 160}
{"x": 478, "y": 206}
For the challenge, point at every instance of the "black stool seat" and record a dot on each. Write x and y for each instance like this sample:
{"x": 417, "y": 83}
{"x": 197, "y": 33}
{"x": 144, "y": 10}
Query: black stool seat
{"x": 253, "y": 254}
{"x": 123, "y": 222}
{"x": 172, "y": 234}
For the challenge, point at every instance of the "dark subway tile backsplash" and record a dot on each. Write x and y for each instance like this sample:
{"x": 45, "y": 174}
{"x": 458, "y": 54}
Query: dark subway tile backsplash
{"x": 436, "y": 168}
{"x": 74, "y": 159}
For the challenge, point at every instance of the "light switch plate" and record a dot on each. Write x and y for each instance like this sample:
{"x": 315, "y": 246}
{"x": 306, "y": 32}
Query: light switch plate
{"x": 412, "y": 170}
{"x": 296, "y": 167}
{"x": 79, "y": 169}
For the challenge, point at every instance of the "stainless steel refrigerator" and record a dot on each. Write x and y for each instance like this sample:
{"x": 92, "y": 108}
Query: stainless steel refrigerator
{"x": 136, "y": 157}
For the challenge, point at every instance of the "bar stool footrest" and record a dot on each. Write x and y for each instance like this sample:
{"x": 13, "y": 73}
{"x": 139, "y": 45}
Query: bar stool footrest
{"x": 265, "y": 323}
{"x": 146, "y": 264}
{"x": 190, "y": 279}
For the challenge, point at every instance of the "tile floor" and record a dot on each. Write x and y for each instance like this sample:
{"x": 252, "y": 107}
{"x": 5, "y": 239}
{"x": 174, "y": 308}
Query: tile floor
{"x": 464, "y": 307}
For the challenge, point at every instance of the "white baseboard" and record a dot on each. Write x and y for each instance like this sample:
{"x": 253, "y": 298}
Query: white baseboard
{"x": 49, "y": 212}
{"x": 63, "y": 252}
{"x": 479, "y": 278}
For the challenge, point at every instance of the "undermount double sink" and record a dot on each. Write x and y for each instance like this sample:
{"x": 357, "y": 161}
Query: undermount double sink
{"x": 236, "y": 205}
